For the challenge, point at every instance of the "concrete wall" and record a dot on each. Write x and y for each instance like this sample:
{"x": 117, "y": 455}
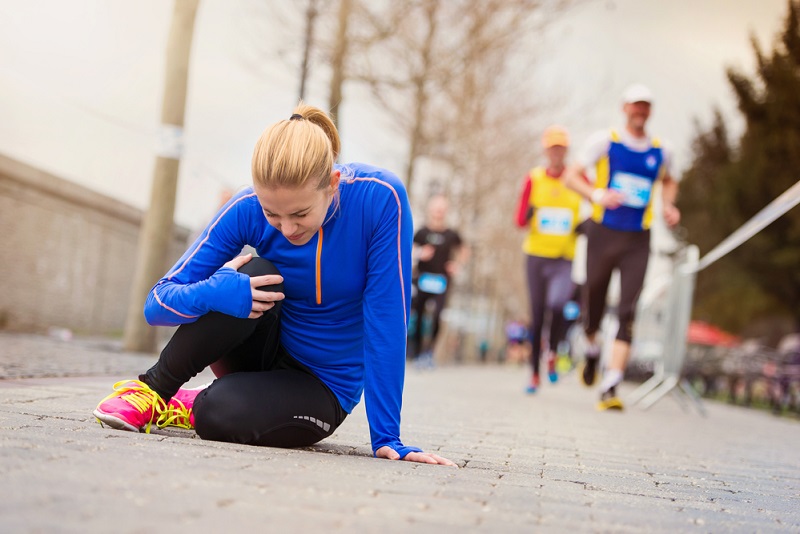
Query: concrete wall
{"x": 67, "y": 254}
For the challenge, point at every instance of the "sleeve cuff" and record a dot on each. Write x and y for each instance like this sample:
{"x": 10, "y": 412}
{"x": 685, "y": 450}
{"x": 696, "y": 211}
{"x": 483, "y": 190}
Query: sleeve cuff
{"x": 399, "y": 448}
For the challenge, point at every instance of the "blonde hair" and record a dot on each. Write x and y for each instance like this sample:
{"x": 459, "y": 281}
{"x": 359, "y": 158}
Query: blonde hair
{"x": 297, "y": 151}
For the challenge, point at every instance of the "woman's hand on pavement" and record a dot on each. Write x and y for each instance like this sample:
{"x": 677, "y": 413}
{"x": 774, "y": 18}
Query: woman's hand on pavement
{"x": 418, "y": 457}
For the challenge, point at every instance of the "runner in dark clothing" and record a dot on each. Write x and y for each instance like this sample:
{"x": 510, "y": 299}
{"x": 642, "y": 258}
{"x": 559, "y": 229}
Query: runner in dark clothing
{"x": 440, "y": 253}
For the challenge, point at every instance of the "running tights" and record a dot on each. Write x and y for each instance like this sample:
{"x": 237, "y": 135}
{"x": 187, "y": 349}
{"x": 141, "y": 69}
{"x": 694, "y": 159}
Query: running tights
{"x": 607, "y": 250}
{"x": 419, "y": 305}
{"x": 551, "y": 287}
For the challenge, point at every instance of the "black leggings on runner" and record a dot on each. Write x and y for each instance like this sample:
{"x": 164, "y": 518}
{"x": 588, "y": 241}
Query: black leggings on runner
{"x": 550, "y": 285}
{"x": 418, "y": 305}
{"x": 263, "y": 396}
{"x": 606, "y": 250}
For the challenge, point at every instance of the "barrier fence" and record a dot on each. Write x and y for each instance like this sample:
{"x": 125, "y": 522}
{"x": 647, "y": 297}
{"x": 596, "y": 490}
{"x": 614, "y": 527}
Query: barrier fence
{"x": 665, "y": 308}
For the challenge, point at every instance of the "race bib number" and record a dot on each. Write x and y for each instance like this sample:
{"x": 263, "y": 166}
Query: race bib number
{"x": 554, "y": 221}
{"x": 435, "y": 284}
{"x": 635, "y": 188}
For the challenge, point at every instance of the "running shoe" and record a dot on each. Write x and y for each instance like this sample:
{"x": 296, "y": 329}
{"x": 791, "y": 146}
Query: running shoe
{"x": 552, "y": 375}
{"x": 563, "y": 364}
{"x": 589, "y": 373}
{"x": 533, "y": 386}
{"x": 563, "y": 358}
{"x": 610, "y": 401}
{"x": 180, "y": 409}
{"x": 132, "y": 406}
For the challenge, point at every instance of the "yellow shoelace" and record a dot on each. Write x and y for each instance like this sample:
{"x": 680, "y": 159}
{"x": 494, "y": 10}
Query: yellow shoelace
{"x": 175, "y": 414}
{"x": 140, "y": 396}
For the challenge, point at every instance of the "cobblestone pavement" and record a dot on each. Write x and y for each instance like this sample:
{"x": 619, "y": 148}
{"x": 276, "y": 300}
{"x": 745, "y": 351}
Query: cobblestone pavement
{"x": 543, "y": 463}
{"x": 32, "y": 356}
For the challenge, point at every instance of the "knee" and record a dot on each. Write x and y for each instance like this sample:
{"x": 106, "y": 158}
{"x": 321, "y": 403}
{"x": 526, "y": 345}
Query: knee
{"x": 258, "y": 267}
{"x": 625, "y": 332}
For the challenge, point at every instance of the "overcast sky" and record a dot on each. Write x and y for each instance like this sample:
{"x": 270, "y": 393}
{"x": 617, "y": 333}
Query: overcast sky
{"x": 81, "y": 83}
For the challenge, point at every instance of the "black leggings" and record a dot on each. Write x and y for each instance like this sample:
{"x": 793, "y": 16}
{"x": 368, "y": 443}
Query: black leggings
{"x": 550, "y": 285}
{"x": 263, "y": 396}
{"x": 606, "y": 250}
{"x": 419, "y": 305}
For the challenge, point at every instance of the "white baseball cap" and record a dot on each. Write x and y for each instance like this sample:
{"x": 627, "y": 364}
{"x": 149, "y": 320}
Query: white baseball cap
{"x": 637, "y": 93}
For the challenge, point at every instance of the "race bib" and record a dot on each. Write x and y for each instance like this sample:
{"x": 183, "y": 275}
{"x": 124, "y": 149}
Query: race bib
{"x": 435, "y": 284}
{"x": 635, "y": 188}
{"x": 554, "y": 221}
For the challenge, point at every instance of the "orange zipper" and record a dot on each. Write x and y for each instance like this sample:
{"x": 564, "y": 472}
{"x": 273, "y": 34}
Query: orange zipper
{"x": 319, "y": 268}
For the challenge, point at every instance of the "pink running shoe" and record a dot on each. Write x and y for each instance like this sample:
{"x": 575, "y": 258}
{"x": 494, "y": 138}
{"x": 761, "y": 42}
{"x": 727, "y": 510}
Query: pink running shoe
{"x": 132, "y": 406}
{"x": 180, "y": 409}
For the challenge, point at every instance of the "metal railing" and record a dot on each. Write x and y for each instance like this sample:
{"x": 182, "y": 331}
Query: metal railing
{"x": 664, "y": 312}
{"x": 669, "y": 341}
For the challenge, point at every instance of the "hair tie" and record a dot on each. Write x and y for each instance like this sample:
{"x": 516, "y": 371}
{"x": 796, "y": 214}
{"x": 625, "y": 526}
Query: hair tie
{"x": 296, "y": 117}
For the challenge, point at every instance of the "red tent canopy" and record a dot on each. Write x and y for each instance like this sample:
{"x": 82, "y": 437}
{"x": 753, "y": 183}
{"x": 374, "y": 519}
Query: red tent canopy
{"x": 702, "y": 333}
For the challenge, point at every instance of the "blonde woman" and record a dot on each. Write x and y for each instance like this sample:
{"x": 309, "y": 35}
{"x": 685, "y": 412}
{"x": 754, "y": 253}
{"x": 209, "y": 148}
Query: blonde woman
{"x": 296, "y": 335}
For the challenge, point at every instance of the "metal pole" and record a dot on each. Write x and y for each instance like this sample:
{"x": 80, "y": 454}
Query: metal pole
{"x": 155, "y": 234}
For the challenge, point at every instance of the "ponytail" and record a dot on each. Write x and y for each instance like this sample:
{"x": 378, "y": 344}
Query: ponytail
{"x": 298, "y": 151}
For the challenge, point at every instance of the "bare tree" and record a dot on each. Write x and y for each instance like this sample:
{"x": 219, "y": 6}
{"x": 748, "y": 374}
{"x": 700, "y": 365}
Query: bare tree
{"x": 454, "y": 78}
{"x": 406, "y": 33}
{"x": 311, "y": 15}
{"x": 338, "y": 59}
{"x": 491, "y": 134}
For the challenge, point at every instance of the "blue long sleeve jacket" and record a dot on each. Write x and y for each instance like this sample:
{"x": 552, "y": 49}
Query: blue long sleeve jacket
{"x": 347, "y": 291}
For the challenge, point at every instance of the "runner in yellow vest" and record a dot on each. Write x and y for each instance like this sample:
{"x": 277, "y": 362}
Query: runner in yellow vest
{"x": 550, "y": 212}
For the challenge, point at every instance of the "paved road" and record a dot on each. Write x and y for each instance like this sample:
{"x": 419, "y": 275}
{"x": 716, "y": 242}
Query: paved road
{"x": 544, "y": 463}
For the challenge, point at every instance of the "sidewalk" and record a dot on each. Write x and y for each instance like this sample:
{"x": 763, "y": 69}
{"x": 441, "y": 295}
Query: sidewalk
{"x": 543, "y": 463}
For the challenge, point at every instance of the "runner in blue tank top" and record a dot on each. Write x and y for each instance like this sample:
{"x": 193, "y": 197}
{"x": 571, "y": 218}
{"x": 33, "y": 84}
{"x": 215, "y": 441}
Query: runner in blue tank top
{"x": 627, "y": 164}
{"x": 296, "y": 335}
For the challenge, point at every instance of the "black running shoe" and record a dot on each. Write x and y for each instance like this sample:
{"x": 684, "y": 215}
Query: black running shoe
{"x": 589, "y": 373}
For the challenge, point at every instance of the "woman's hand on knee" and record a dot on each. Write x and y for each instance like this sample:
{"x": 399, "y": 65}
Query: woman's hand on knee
{"x": 418, "y": 457}
{"x": 262, "y": 300}
{"x": 237, "y": 262}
